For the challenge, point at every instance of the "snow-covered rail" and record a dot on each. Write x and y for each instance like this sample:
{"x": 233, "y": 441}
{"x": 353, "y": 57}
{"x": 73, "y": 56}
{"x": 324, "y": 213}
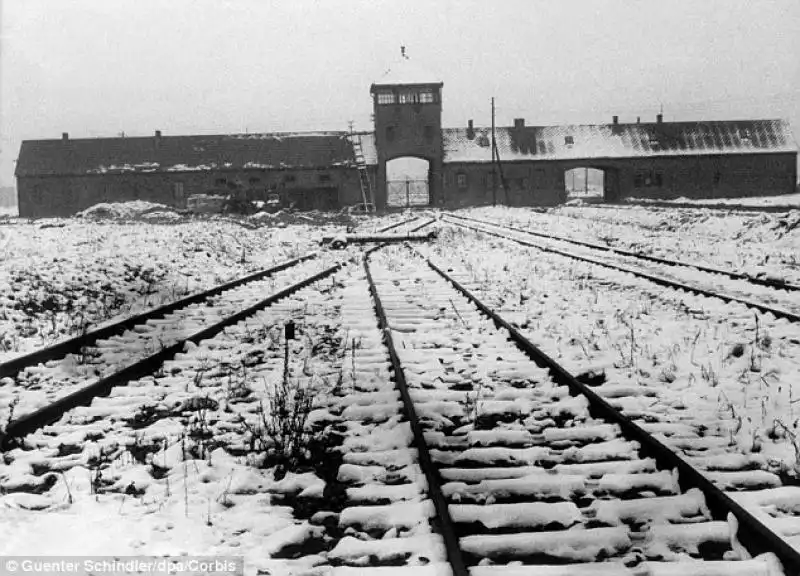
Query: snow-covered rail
{"x": 44, "y": 393}
{"x": 10, "y": 368}
{"x": 523, "y": 238}
{"x": 533, "y": 467}
{"x": 362, "y": 505}
{"x": 767, "y": 282}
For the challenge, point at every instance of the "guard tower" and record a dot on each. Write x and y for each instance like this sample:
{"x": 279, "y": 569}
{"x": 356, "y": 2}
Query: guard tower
{"x": 407, "y": 104}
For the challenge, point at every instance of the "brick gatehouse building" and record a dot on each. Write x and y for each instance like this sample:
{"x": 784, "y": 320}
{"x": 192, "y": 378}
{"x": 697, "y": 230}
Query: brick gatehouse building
{"x": 320, "y": 170}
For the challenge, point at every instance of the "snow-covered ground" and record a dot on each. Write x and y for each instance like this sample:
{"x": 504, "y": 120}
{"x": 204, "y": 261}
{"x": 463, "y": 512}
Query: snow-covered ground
{"x": 690, "y": 352}
{"x": 782, "y": 200}
{"x": 60, "y": 277}
{"x": 752, "y": 243}
{"x": 181, "y": 462}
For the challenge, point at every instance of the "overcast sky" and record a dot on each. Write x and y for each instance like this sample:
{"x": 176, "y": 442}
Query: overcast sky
{"x": 101, "y": 67}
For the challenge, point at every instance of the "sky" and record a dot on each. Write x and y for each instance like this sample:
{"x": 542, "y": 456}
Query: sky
{"x": 102, "y": 67}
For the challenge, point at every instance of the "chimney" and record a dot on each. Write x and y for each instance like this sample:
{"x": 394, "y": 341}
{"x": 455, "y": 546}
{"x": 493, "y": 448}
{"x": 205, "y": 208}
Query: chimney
{"x": 158, "y": 134}
{"x": 158, "y": 139}
{"x": 615, "y": 119}
{"x": 659, "y": 118}
{"x": 638, "y": 119}
{"x": 519, "y": 123}
{"x": 64, "y": 136}
{"x": 470, "y": 130}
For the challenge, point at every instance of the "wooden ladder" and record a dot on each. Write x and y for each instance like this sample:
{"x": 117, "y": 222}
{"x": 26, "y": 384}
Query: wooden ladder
{"x": 363, "y": 175}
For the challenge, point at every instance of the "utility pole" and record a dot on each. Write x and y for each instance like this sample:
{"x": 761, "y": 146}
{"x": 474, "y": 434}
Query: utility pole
{"x": 494, "y": 162}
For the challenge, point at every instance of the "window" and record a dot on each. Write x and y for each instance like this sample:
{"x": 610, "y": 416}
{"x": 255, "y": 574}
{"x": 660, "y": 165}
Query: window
{"x": 744, "y": 133}
{"x": 461, "y": 180}
{"x": 427, "y": 97}
{"x": 569, "y": 140}
{"x": 177, "y": 190}
{"x": 407, "y": 97}
{"x": 638, "y": 180}
{"x": 717, "y": 177}
{"x": 255, "y": 180}
{"x": 220, "y": 181}
{"x": 658, "y": 179}
{"x": 654, "y": 142}
{"x": 390, "y": 133}
{"x": 289, "y": 178}
{"x": 386, "y": 98}
{"x": 324, "y": 177}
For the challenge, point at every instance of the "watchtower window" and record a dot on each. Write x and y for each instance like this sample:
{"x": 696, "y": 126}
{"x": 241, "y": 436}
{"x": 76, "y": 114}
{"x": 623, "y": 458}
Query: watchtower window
{"x": 408, "y": 97}
{"x": 427, "y": 97}
{"x": 386, "y": 98}
{"x": 569, "y": 140}
{"x": 461, "y": 180}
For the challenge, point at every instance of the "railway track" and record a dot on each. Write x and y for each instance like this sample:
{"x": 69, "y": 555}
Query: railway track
{"x": 526, "y": 238}
{"x": 56, "y": 379}
{"x": 486, "y": 459}
{"x": 532, "y": 467}
{"x": 767, "y": 282}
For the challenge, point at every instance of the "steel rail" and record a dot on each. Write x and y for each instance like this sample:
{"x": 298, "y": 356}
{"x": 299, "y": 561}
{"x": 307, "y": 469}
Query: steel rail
{"x": 11, "y": 368}
{"x": 14, "y": 366}
{"x": 443, "y": 518}
{"x": 28, "y": 423}
{"x": 766, "y": 309}
{"x": 755, "y": 536}
{"x": 777, "y": 284}
{"x": 393, "y": 238}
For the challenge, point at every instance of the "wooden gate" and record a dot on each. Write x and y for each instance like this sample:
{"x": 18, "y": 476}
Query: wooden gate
{"x": 407, "y": 193}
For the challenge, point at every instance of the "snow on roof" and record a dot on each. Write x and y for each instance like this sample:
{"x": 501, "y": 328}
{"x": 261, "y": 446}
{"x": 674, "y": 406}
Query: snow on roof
{"x": 184, "y": 153}
{"x": 368, "y": 147}
{"x": 407, "y": 72}
{"x": 620, "y": 140}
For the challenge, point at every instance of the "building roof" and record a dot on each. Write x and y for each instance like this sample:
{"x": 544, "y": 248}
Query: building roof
{"x": 404, "y": 71}
{"x": 334, "y": 149}
{"x": 184, "y": 153}
{"x": 620, "y": 140}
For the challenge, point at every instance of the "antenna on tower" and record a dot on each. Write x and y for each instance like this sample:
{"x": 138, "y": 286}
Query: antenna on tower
{"x": 403, "y": 52}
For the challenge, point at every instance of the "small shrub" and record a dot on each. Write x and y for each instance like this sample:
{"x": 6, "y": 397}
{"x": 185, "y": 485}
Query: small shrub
{"x": 280, "y": 433}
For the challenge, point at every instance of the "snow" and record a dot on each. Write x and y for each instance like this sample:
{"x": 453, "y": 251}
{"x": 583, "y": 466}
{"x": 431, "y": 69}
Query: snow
{"x": 787, "y": 200}
{"x": 528, "y": 457}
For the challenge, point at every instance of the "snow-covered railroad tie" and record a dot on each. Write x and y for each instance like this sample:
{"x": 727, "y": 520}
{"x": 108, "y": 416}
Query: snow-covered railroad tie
{"x": 780, "y": 301}
{"x": 44, "y": 393}
{"x": 191, "y": 448}
{"x": 539, "y": 480}
{"x": 56, "y": 372}
{"x": 633, "y": 256}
